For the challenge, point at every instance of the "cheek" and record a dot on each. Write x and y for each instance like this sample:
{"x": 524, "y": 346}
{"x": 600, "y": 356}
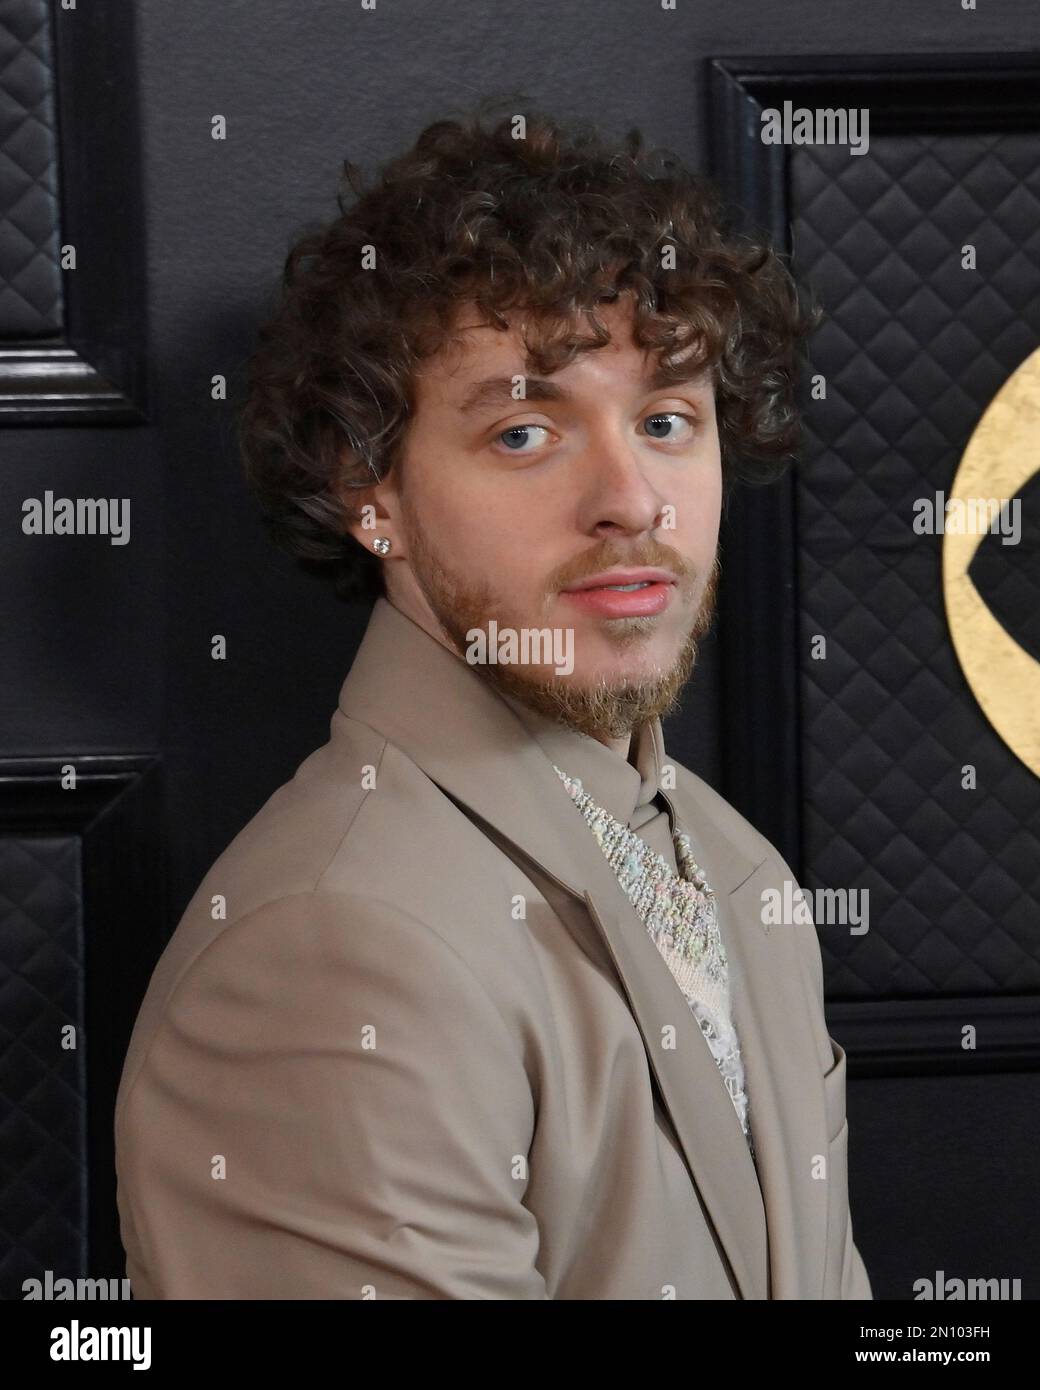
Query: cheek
{"x": 703, "y": 512}
{"x": 501, "y": 533}
{"x": 485, "y": 533}
{"x": 440, "y": 508}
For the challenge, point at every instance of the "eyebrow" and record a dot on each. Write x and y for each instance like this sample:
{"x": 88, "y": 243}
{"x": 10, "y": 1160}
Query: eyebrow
{"x": 498, "y": 390}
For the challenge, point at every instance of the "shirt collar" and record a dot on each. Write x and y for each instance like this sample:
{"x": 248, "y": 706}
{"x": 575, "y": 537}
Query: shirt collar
{"x": 624, "y": 787}
{"x": 446, "y": 718}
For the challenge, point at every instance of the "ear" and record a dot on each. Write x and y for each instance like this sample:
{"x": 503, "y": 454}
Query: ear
{"x": 362, "y": 514}
{"x": 370, "y": 512}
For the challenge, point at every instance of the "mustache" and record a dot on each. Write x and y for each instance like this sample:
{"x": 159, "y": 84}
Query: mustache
{"x": 657, "y": 557}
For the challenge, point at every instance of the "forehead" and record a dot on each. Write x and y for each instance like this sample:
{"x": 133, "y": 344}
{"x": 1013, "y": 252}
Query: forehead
{"x": 477, "y": 351}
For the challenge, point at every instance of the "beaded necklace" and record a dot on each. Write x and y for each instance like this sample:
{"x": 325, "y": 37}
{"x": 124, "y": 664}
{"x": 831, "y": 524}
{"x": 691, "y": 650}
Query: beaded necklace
{"x": 681, "y": 916}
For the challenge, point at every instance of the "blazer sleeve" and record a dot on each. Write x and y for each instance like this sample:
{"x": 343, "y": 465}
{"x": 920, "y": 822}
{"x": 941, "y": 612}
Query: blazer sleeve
{"x": 855, "y": 1283}
{"x": 332, "y": 1107}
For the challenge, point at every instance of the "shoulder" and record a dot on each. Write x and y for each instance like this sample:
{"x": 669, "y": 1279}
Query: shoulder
{"x": 305, "y": 970}
{"x": 335, "y": 831}
{"x": 313, "y": 888}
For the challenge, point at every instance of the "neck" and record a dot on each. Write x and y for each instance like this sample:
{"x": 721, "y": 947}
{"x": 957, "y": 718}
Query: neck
{"x": 621, "y": 746}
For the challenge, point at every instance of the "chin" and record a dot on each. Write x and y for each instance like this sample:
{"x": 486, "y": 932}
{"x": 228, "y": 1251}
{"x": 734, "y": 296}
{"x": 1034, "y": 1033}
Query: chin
{"x": 631, "y": 653}
{"x": 615, "y": 674}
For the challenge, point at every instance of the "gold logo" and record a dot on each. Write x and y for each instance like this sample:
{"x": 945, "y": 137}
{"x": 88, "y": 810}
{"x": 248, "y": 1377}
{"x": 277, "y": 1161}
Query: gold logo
{"x": 1002, "y": 456}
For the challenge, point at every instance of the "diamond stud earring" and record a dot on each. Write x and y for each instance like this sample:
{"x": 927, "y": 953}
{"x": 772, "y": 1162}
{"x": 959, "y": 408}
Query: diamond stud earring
{"x": 381, "y": 545}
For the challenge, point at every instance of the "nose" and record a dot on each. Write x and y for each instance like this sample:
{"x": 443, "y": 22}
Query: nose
{"x": 618, "y": 492}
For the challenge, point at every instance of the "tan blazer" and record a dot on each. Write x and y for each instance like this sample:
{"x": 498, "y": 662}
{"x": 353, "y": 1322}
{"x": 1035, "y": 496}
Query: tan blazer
{"x": 410, "y": 1039}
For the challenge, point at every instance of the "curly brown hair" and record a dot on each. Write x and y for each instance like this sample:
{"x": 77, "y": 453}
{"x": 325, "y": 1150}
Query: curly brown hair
{"x": 521, "y": 212}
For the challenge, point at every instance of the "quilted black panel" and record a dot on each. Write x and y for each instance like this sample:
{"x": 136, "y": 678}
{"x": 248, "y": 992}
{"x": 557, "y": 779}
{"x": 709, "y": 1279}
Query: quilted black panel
{"x": 43, "y": 1177}
{"x": 31, "y": 298}
{"x": 913, "y": 350}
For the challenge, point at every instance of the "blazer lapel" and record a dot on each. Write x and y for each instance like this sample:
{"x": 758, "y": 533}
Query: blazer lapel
{"x": 693, "y": 1092}
{"x": 788, "y": 1117}
{"x": 445, "y": 717}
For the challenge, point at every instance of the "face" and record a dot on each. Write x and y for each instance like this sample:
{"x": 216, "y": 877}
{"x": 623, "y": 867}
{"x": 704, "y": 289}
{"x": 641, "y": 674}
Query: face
{"x": 501, "y": 508}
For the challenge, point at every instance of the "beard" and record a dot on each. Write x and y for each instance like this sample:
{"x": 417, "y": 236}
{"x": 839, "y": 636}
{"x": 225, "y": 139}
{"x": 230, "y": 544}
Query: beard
{"x": 606, "y": 708}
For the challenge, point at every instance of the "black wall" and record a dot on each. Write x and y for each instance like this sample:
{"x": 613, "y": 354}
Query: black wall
{"x": 106, "y": 650}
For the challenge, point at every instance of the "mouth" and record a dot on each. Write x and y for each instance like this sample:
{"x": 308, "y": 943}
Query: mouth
{"x": 623, "y": 580}
{"x": 644, "y": 594}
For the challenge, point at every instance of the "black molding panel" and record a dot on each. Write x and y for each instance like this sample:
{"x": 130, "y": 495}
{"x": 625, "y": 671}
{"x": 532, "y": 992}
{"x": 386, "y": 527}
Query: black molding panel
{"x": 32, "y": 302}
{"x": 81, "y": 892}
{"x": 72, "y": 340}
{"x": 852, "y": 765}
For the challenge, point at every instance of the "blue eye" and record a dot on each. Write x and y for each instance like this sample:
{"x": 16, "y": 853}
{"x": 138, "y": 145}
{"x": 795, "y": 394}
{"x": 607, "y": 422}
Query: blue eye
{"x": 519, "y": 430}
{"x": 669, "y": 415}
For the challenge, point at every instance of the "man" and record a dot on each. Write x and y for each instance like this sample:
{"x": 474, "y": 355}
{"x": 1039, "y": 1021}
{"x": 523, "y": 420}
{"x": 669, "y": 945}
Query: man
{"x": 481, "y": 1004}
